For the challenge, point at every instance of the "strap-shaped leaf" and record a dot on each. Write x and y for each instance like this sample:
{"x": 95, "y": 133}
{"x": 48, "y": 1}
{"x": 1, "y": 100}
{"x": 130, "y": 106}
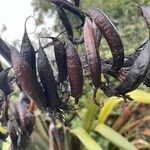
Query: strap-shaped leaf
{"x": 114, "y": 137}
{"x": 108, "y": 107}
{"x": 140, "y": 96}
{"x": 89, "y": 117}
{"x": 86, "y": 139}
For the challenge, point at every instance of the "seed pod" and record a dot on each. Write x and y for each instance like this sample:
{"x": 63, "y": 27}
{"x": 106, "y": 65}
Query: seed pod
{"x": 110, "y": 34}
{"x": 60, "y": 55}
{"x": 70, "y": 7}
{"x": 4, "y": 83}
{"x": 92, "y": 52}
{"x": 26, "y": 119}
{"x": 98, "y": 34}
{"x": 74, "y": 70}
{"x": 27, "y": 50}
{"x": 66, "y": 23}
{"x": 12, "y": 133}
{"x": 137, "y": 72}
{"x": 77, "y": 3}
{"x": 47, "y": 79}
{"x": 5, "y": 51}
{"x": 28, "y": 79}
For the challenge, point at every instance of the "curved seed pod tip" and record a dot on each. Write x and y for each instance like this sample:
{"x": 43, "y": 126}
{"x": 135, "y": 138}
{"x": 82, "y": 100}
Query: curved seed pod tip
{"x": 27, "y": 50}
{"x": 65, "y": 21}
{"x": 70, "y": 7}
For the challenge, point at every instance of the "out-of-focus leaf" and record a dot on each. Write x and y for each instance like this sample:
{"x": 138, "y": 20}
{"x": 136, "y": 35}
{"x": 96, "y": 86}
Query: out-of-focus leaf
{"x": 89, "y": 117}
{"x": 6, "y": 144}
{"x": 140, "y": 96}
{"x": 3, "y": 130}
{"x": 141, "y": 144}
{"x": 86, "y": 139}
{"x": 108, "y": 107}
{"x": 114, "y": 137}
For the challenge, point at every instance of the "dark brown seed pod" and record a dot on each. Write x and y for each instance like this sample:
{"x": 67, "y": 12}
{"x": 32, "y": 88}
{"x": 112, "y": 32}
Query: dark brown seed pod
{"x": 4, "y": 83}
{"x": 66, "y": 23}
{"x": 5, "y": 51}
{"x": 92, "y": 52}
{"x": 137, "y": 72}
{"x": 110, "y": 34}
{"x": 74, "y": 70}
{"x": 61, "y": 59}
{"x": 28, "y": 79}
{"x": 70, "y": 7}
{"x": 27, "y": 50}
{"x": 98, "y": 34}
{"x": 47, "y": 79}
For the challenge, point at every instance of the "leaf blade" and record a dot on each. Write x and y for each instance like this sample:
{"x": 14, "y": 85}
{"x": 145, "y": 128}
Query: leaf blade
{"x": 86, "y": 139}
{"x": 112, "y": 136}
{"x": 140, "y": 96}
{"x": 107, "y": 108}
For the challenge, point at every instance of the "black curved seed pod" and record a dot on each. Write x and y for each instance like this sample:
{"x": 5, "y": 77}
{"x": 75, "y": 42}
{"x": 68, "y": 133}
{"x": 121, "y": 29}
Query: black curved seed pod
{"x": 70, "y": 7}
{"x": 4, "y": 83}
{"x": 77, "y": 3}
{"x": 61, "y": 59}
{"x": 5, "y": 51}
{"x": 74, "y": 70}
{"x": 27, "y": 50}
{"x": 66, "y": 23}
{"x": 47, "y": 79}
{"x": 137, "y": 72}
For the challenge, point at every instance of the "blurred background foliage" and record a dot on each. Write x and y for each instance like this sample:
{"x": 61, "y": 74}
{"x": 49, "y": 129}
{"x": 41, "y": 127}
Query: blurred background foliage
{"x": 118, "y": 124}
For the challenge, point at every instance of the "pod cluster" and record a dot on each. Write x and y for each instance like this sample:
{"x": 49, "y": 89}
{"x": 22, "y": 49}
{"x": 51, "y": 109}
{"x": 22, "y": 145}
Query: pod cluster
{"x": 41, "y": 87}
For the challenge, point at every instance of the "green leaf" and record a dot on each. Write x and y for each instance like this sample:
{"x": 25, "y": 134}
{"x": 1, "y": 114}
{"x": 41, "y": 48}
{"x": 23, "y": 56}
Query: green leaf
{"x": 6, "y": 145}
{"x": 114, "y": 137}
{"x": 140, "y": 96}
{"x": 108, "y": 107}
{"x": 89, "y": 117}
{"x": 86, "y": 139}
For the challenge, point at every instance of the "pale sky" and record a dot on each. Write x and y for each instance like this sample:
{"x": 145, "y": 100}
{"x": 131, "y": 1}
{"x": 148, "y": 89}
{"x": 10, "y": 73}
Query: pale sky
{"x": 13, "y": 14}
